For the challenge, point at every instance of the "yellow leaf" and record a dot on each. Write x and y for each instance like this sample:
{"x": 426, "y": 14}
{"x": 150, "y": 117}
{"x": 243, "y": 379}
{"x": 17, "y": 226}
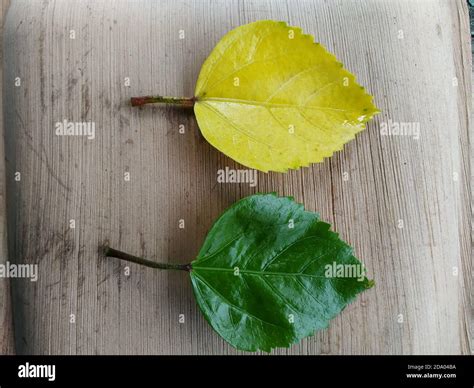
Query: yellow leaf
{"x": 272, "y": 99}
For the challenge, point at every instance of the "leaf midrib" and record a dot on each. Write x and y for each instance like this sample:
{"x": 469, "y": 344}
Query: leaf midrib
{"x": 207, "y": 100}
{"x": 263, "y": 273}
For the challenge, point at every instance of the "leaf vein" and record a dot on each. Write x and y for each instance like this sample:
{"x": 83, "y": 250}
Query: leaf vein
{"x": 238, "y": 308}
{"x": 272, "y": 104}
{"x": 259, "y": 273}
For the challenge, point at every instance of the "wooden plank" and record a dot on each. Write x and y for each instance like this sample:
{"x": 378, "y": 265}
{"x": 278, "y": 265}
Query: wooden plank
{"x": 6, "y": 318}
{"x": 464, "y": 68}
{"x": 411, "y": 55}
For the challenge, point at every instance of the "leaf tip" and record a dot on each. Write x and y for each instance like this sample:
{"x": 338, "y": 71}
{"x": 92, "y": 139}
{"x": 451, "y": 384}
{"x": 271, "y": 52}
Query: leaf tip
{"x": 370, "y": 284}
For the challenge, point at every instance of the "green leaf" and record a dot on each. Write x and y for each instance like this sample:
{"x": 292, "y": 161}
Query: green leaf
{"x": 262, "y": 278}
{"x": 272, "y": 99}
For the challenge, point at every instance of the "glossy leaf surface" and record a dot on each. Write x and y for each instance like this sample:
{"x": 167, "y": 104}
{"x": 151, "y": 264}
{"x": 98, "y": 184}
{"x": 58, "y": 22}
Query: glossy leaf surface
{"x": 261, "y": 276}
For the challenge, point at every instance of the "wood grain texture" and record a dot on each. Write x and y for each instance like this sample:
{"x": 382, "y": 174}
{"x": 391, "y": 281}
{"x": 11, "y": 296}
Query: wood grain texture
{"x": 6, "y": 321}
{"x": 424, "y": 182}
{"x": 468, "y": 160}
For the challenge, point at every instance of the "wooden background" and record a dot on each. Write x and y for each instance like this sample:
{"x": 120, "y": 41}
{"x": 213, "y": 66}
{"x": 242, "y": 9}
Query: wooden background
{"x": 6, "y": 320}
{"x": 422, "y": 76}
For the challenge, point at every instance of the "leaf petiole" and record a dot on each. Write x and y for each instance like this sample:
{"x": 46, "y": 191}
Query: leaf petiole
{"x": 187, "y": 102}
{"x": 110, "y": 252}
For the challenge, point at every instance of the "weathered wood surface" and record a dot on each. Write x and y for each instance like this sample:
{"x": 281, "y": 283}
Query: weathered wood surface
{"x": 6, "y": 321}
{"x": 422, "y": 76}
